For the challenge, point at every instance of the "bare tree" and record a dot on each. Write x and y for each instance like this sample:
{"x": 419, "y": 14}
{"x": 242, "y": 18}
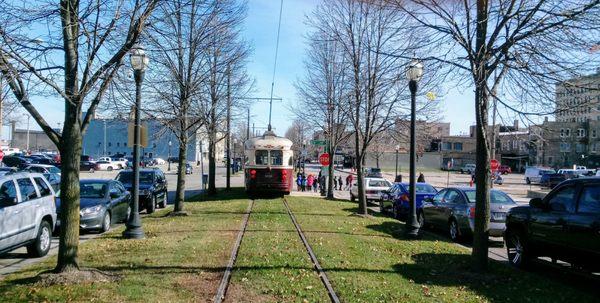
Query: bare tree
{"x": 179, "y": 33}
{"x": 323, "y": 93}
{"x": 476, "y": 40}
{"x": 74, "y": 55}
{"x": 365, "y": 32}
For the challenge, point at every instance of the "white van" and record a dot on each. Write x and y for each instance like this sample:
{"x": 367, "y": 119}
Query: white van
{"x": 534, "y": 174}
{"x": 27, "y": 213}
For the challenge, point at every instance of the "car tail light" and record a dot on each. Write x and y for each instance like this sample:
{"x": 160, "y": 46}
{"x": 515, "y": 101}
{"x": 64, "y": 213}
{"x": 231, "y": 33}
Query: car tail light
{"x": 283, "y": 175}
{"x": 253, "y": 174}
{"x": 472, "y": 212}
{"x": 404, "y": 198}
{"x": 97, "y": 167}
{"x": 371, "y": 192}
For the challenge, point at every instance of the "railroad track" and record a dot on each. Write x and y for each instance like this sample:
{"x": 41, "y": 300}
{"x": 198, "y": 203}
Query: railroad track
{"x": 222, "y": 290}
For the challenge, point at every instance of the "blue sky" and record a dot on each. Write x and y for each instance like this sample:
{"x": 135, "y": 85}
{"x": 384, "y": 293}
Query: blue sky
{"x": 260, "y": 29}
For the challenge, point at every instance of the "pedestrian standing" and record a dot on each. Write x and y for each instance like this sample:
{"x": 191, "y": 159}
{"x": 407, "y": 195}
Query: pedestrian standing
{"x": 309, "y": 182}
{"x": 421, "y": 178}
{"x": 303, "y": 182}
{"x": 340, "y": 182}
{"x": 350, "y": 179}
{"x": 299, "y": 181}
{"x": 315, "y": 184}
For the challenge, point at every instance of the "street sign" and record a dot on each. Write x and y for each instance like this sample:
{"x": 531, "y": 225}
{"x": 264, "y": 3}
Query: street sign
{"x": 318, "y": 142}
{"x": 494, "y": 164}
{"x": 143, "y": 135}
{"x": 324, "y": 159}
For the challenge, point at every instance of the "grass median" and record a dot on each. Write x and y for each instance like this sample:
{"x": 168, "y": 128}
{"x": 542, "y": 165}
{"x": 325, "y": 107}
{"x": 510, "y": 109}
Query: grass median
{"x": 181, "y": 259}
{"x": 367, "y": 260}
{"x": 273, "y": 265}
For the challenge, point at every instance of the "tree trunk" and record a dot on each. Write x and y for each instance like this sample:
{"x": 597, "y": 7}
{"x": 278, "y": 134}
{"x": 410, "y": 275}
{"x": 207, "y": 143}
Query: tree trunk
{"x": 70, "y": 153}
{"x": 180, "y": 191}
{"x": 362, "y": 201}
{"x": 482, "y": 171}
{"x": 212, "y": 166}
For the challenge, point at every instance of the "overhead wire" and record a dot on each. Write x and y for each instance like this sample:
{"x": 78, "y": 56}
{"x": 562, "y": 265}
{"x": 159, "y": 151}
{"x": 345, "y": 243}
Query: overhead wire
{"x": 275, "y": 64}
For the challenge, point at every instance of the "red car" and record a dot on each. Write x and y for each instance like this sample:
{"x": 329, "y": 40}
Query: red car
{"x": 504, "y": 169}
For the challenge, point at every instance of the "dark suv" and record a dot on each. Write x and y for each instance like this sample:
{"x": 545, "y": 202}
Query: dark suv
{"x": 153, "y": 187}
{"x": 564, "y": 225}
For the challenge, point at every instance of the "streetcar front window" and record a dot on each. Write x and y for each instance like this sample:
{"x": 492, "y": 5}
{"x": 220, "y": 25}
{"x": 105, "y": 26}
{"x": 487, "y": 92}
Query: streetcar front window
{"x": 276, "y": 157}
{"x": 261, "y": 157}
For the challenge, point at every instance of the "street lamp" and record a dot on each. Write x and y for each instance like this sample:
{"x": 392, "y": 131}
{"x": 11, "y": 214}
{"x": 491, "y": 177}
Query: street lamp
{"x": 414, "y": 72}
{"x": 234, "y": 159}
{"x": 397, "y": 150}
{"x": 139, "y": 62}
{"x": 169, "y": 156}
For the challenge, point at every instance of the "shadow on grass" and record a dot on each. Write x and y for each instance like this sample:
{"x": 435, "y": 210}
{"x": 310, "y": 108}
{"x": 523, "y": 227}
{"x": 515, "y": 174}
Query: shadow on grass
{"x": 234, "y": 193}
{"x": 499, "y": 284}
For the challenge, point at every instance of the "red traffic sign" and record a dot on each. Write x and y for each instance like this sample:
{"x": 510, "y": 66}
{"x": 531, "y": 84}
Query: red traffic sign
{"x": 324, "y": 159}
{"x": 494, "y": 164}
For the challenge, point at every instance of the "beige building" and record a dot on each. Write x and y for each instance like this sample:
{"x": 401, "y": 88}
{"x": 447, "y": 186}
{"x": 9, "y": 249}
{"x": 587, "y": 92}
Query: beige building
{"x": 578, "y": 99}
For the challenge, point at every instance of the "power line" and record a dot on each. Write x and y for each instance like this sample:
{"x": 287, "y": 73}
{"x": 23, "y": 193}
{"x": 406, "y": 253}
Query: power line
{"x": 275, "y": 63}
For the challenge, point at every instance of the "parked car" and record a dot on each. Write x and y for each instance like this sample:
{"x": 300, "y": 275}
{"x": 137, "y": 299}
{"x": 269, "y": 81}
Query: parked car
{"x": 453, "y": 209}
{"x": 159, "y": 161}
{"x": 504, "y": 169}
{"x": 87, "y": 166}
{"x": 105, "y": 165}
{"x": 400, "y": 204}
{"x": 534, "y": 174}
{"x": 43, "y": 169}
{"x": 189, "y": 169}
{"x": 153, "y": 187}
{"x": 468, "y": 169}
{"x": 7, "y": 170}
{"x": 551, "y": 180}
{"x": 16, "y": 161}
{"x": 27, "y": 213}
{"x": 373, "y": 189}
{"x": 86, "y": 158}
{"x": 10, "y": 150}
{"x": 114, "y": 163}
{"x": 120, "y": 162}
{"x": 374, "y": 172}
{"x": 102, "y": 203}
{"x": 564, "y": 225}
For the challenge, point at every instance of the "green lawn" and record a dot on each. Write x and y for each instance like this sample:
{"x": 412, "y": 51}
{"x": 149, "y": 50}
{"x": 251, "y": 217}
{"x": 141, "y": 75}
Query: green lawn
{"x": 367, "y": 260}
{"x": 182, "y": 259}
{"x": 272, "y": 264}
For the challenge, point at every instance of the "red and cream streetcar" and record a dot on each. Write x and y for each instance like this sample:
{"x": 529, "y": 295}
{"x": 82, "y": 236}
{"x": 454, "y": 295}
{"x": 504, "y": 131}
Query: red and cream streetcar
{"x": 269, "y": 164}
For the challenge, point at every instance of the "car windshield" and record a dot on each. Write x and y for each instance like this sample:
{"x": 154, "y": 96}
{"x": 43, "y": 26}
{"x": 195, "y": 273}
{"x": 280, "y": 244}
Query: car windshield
{"x": 497, "y": 197}
{"x": 379, "y": 183}
{"x": 543, "y": 172}
{"x": 93, "y": 190}
{"x": 127, "y": 177}
{"x": 423, "y": 189}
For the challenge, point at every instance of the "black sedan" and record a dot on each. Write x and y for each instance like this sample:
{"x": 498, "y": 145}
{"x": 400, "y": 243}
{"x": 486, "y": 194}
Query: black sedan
{"x": 103, "y": 202}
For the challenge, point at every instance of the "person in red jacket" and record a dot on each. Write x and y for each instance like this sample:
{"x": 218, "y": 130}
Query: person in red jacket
{"x": 349, "y": 180}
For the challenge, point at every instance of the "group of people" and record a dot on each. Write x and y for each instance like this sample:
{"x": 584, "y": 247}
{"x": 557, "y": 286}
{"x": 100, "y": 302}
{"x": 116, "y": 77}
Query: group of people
{"x": 310, "y": 182}
{"x": 314, "y": 183}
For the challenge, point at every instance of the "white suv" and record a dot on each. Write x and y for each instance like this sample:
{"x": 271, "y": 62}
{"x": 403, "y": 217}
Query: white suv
{"x": 27, "y": 213}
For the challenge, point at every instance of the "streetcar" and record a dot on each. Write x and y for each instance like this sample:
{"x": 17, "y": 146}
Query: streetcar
{"x": 269, "y": 165}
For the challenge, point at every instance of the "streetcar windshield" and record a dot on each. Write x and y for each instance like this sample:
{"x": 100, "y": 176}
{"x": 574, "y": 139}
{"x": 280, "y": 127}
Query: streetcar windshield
{"x": 262, "y": 157}
{"x": 276, "y": 157}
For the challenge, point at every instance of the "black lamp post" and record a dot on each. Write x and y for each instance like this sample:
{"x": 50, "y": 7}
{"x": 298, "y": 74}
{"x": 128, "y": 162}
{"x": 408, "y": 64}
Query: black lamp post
{"x": 414, "y": 72}
{"x": 169, "y": 157}
{"x": 139, "y": 62}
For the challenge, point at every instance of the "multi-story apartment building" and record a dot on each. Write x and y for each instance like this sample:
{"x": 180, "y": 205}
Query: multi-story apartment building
{"x": 578, "y": 99}
{"x": 568, "y": 143}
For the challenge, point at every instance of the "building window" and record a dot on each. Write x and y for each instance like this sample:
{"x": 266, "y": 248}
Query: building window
{"x": 515, "y": 144}
{"x": 581, "y": 133}
{"x": 550, "y": 160}
{"x": 567, "y": 132}
{"x": 562, "y": 132}
{"x": 565, "y": 147}
{"x": 594, "y": 147}
{"x": 580, "y": 147}
{"x": 447, "y": 146}
{"x": 118, "y": 144}
{"x": 109, "y": 143}
{"x": 458, "y": 146}
{"x": 594, "y": 133}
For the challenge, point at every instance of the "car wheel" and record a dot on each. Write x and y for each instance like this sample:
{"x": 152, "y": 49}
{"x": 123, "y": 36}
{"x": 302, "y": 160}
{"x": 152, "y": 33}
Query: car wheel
{"x": 396, "y": 212}
{"x": 41, "y": 245}
{"x": 352, "y": 198}
{"x": 92, "y": 170}
{"x": 105, "y": 222}
{"x": 516, "y": 249}
{"x": 109, "y": 168}
{"x": 164, "y": 203}
{"x": 151, "y": 207}
{"x": 453, "y": 230}
{"x": 527, "y": 181}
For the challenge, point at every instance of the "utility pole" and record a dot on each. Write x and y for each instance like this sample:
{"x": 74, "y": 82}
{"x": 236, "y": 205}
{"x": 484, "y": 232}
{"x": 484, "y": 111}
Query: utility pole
{"x": 104, "y": 121}
{"x": 248, "y": 125}
{"x": 228, "y": 141}
{"x": 28, "y": 117}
